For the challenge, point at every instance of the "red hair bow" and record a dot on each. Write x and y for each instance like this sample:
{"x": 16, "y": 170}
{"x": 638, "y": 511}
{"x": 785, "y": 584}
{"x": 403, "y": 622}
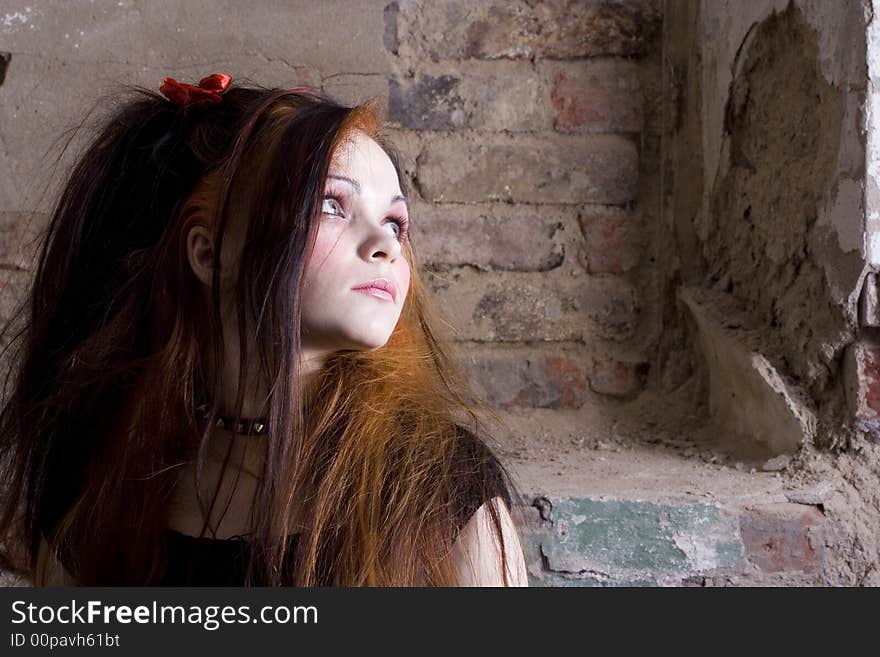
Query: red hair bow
{"x": 207, "y": 93}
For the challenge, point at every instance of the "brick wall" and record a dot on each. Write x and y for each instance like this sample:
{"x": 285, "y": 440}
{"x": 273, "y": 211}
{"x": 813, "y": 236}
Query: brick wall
{"x": 532, "y": 148}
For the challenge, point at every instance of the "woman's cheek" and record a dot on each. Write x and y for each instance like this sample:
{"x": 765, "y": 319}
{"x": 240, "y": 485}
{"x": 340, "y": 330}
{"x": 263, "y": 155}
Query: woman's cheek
{"x": 322, "y": 254}
{"x": 402, "y": 277}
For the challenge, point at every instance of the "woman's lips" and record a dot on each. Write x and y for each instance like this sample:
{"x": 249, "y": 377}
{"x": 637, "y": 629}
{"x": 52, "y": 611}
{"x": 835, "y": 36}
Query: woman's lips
{"x": 375, "y": 292}
{"x": 381, "y": 287}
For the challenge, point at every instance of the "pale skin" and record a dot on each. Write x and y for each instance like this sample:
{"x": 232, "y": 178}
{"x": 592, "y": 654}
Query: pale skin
{"x": 358, "y": 240}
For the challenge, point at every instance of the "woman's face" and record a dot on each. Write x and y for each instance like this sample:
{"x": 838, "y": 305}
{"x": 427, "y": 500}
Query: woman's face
{"x": 361, "y": 229}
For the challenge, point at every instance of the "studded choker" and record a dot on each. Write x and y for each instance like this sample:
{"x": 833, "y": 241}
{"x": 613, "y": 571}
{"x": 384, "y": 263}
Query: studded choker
{"x": 245, "y": 427}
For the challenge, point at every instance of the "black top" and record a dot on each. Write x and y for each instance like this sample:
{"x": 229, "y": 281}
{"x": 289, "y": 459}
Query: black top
{"x": 206, "y": 561}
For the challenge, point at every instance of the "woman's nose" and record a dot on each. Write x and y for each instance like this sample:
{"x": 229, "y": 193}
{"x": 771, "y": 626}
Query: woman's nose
{"x": 381, "y": 242}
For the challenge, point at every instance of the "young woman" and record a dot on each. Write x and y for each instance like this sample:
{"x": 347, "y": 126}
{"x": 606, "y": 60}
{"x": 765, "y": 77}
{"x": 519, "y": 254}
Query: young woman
{"x": 229, "y": 372}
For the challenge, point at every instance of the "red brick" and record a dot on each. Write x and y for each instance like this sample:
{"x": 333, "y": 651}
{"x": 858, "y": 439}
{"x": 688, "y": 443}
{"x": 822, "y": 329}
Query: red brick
{"x": 597, "y": 96}
{"x": 612, "y": 246}
{"x": 862, "y": 383}
{"x": 871, "y": 380}
{"x": 612, "y": 307}
{"x": 549, "y": 168}
{"x": 517, "y": 377}
{"x": 518, "y": 310}
{"x": 488, "y": 237}
{"x": 508, "y": 95}
{"x": 594, "y": 95}
{"x": 426, "y": 102}
{"x": 783, "y": 537}
{"x": 508, "y": 307}
{"x": 616, "y": 378}
{"x": 518, "y": 29}
{"x": 566, "y": 377}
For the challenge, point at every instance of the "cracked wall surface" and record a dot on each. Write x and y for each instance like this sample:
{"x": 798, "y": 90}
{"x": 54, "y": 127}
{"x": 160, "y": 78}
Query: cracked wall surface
{"x": 760, "y": 238}
{"x": 65, "y": 57}
{"x": 765, "y": 200}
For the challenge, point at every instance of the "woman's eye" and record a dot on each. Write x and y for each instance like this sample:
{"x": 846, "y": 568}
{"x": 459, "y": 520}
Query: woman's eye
{"x": 329, "y": 202}
{"x": 402, "y": 226}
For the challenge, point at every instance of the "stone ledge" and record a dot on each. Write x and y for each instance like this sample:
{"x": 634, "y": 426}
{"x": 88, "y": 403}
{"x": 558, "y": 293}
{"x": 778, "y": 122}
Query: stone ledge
{"x": 748, "y": 393}
{"x": 626, "y": 498}
{"x": 632, "y": 542}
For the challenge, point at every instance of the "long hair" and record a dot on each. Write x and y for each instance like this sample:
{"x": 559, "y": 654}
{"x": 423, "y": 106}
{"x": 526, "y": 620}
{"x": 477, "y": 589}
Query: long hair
{"x": 373, "y": 460}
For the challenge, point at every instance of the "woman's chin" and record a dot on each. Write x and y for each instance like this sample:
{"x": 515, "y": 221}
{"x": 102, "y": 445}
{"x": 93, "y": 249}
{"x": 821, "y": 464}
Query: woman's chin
{"x": 363, "y": 342}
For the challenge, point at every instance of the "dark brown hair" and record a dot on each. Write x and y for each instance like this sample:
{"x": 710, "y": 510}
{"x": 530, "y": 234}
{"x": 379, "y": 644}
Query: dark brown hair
{"x": 112, "y": 361}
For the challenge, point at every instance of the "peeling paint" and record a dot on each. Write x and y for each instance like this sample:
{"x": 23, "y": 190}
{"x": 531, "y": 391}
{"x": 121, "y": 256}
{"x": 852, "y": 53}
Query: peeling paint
{"x": 627, "y": 540}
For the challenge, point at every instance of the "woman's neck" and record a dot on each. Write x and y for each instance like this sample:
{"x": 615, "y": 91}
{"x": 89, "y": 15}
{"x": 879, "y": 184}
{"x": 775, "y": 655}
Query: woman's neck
{"x": 255, "y": 406}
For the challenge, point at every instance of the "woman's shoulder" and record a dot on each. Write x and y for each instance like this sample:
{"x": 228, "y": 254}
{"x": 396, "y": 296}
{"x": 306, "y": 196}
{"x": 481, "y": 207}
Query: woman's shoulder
{"x": 479, "y": 473}
{"x": 485, "y": 481}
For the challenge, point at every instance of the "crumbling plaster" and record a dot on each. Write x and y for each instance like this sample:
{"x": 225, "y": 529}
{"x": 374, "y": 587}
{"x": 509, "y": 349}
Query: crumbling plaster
{"x": 839, "y": 246}
{"x": 728, "y": 28}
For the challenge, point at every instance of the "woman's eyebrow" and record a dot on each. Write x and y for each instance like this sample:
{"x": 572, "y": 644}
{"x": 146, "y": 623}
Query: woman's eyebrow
{"x": 354, "y": 183}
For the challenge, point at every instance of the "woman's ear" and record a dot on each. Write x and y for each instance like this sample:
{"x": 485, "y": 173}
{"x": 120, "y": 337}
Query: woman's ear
{"x": 197, "y": 214}
{"x": 200, "y": 253}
